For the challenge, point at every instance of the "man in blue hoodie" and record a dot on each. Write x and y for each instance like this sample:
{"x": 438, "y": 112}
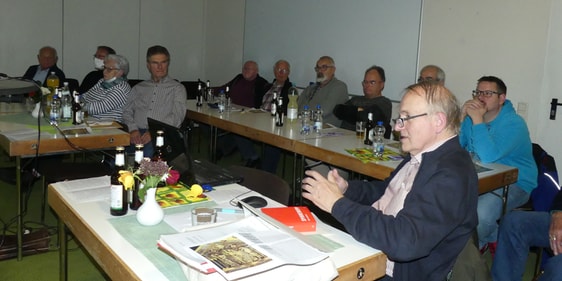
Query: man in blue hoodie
{"x": 492, "y": 132}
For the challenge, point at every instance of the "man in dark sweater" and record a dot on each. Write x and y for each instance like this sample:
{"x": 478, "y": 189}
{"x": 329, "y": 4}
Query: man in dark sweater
{"x": 372, "y": 101}
{"x": 246, "y": 89}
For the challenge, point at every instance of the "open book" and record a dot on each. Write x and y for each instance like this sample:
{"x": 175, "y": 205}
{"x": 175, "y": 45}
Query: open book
{"x": 239, "y": 249}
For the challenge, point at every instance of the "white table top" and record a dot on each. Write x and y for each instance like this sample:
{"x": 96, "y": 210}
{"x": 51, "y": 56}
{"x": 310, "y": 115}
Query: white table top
{"x": 95, "y": 214}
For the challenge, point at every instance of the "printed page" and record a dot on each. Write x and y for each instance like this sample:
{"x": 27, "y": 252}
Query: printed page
{"x": 239, "y": 249}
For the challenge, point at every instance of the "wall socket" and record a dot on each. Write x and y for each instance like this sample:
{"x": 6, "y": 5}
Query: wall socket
{"x": 522, "y": 109}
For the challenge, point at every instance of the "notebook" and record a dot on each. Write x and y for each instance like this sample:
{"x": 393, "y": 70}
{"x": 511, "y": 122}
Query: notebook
{"x": 191, "y": 171}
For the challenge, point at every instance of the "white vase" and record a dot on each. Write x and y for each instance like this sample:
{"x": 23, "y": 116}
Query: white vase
{"x": 36, "y": 112}
{"x": 150, "y": 213}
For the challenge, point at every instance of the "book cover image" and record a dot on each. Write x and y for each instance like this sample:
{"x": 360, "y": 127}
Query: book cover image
{"x": 298, "y": 218}
{"x": 175, "y": 195}
{"x": 231, "y": 254}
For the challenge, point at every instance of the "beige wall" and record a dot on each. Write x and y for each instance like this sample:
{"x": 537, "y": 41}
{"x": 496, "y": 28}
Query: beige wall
{"x": 504, "y": 38}
{"x": 204, "y": 37}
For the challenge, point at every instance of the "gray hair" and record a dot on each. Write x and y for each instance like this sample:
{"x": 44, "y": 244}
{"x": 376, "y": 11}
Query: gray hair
{"x": 281, "y": 61}
{"x": 121, "y": 61}
{"x": 440, "y": 72}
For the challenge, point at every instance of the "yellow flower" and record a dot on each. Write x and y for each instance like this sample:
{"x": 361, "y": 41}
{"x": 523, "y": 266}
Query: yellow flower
{"x": 195, "y": 191}
{"x": 127, "y": 179}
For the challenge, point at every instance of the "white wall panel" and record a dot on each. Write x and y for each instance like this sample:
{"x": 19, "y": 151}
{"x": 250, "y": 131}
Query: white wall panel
{"x": 178, "y": 26}
{"x": 25, "y": 27}
{"x": 357, "y": 34}
{"x": 88, "y": 24}
{"x": 224, "y": 30}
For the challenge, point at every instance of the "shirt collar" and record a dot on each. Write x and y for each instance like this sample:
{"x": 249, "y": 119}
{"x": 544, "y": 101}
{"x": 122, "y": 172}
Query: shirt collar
{"x": 432, "y": 148}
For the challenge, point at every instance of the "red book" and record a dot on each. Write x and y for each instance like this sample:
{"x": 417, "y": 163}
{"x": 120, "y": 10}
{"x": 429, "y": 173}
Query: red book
{"x": 298, "y": 218}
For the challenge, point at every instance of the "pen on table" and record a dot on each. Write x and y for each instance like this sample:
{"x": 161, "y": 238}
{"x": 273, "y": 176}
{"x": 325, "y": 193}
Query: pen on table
{"x": 229, "y": 211}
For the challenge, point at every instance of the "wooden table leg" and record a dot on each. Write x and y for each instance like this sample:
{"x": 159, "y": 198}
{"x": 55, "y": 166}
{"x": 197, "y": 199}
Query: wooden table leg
{"x": 20, "y": 211}
{"x": 63, "y": 251}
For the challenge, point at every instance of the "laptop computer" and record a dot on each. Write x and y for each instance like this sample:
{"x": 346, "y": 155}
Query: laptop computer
{"x": 191, "y": 171}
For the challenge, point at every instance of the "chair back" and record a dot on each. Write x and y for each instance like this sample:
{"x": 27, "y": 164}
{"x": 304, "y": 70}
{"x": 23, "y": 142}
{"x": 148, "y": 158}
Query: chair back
{"x": 263, "y": 182}
{"x": 133, "y": 82}
{"x": 547, "y": 181}
{"x": 190, "y": 88}
{"x": 72, "y": 84}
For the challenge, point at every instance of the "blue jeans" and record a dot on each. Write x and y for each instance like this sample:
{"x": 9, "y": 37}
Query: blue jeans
{"x": 520, "y": 230}
{"x": 147, "y": 149}
{"x": 490, "y": 211}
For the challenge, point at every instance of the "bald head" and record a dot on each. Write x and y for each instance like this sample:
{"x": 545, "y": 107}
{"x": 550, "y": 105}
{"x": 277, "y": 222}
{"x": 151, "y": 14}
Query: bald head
{"x": 47, "y": 57}
{"x": 250, "y": 70}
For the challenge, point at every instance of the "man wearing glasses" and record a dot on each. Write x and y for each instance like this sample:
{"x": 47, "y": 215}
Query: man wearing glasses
{"x": 493, "y": 133}
{"x": 432, "y": 73}
{"x": 422, "y": 216}
{"x": 357, "y": 108}
{"x": 327, "y": 92}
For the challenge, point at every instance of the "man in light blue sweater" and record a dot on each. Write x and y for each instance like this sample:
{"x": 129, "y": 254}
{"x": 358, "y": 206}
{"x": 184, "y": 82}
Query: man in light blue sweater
{"x": 493, "y": 133}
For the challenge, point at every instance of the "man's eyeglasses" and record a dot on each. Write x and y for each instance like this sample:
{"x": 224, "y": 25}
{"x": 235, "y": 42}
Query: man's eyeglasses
{"x": 369, "y": 83}
{"x": 487, "y": 94}
{"x": 400, "y": 120}
{"x": 322, "y": 67}
{"x": 110, "y": 68}
{"x": 422, "y": 79}
{"x": 282, "y": 70}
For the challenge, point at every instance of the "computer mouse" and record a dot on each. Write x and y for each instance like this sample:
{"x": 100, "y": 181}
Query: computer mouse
{"x": 254, "y": 201}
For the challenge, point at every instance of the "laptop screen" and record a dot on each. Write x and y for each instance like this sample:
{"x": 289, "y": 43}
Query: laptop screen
{"x": 191, "y": 171}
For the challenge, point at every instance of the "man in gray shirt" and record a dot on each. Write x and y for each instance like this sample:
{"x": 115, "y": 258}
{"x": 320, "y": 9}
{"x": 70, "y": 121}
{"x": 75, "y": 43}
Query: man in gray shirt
{"x": 161, "y": 98}
{"x": 327, "y": 92}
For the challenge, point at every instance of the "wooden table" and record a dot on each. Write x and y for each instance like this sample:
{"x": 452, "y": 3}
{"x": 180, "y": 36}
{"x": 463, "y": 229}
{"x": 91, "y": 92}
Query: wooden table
{"x": 329, "y": 149}
{"x": 20, "y": 138}
{"x": 89, "y": 222}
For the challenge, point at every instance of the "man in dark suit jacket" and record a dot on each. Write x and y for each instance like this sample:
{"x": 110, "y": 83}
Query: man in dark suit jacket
{"x": 422, "y": 216}
{"x": 47, "y": 58}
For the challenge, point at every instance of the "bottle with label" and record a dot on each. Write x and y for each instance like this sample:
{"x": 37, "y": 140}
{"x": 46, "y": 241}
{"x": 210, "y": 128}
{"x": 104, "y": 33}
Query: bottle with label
{"x": 305, "y": 121}
{"x": 53, "y": 83}
{"x": 134, "y": 199}
{"x": 369, "y": 129}
{"x": 274, "y": 104}
{"x": 159, "y": 149}
{"x": 199, "y": 96}
{"x": 378, "y": 139}
{"x": 66, "y": 103}
{"x": 318, "y": 116}
{"x": 280, "y": 114}
{"x": 222, "y": 101}
{"x": 55, "y": 112}
{"x": 119, "y": 202}
{"x": 293, "y": 106}
{"x": 76, "y": 110}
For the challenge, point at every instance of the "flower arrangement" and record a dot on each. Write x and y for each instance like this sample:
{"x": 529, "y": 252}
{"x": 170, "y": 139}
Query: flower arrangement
{"x": 152, "y": 173}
